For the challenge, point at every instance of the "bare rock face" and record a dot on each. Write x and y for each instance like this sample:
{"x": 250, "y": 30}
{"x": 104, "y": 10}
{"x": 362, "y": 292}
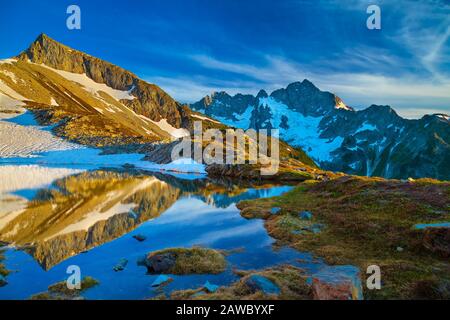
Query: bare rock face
{"x": 151, "y": 101}
{"x": 437, "y": 240}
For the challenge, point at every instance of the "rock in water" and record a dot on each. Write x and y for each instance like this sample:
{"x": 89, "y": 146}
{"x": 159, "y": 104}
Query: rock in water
{"x": 210, "y": 287}
{"x": 161, "y": 280}
{"x": 437, "y": 240}
{"x": 139, "y": 237}
{"x": 260, "y": 283}
{"x": 337, "y": 283}
{"x": 182, "y": 261}
{"x": 121, "y": 265}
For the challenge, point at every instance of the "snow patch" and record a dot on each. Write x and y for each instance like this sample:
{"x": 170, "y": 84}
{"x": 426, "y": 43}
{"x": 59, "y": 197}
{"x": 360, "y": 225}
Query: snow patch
{"x": 204, "y": 118}
{"x": 53, "y": 102}
{"x": 9, "y": 104}
{"x": 238, "y": 120}
{"x": 174, "y": 132}
{"x": 25, "y": 141}
{"x": 8, "y": 61}
{"x": 366, "y": 127}
{"x": 10, "y": 92}
{"x": 10, "y": 75}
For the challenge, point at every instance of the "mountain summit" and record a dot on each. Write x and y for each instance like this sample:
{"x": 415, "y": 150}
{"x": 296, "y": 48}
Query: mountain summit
{"x": 151, "y": 101}
{"x": 91, "y": 101}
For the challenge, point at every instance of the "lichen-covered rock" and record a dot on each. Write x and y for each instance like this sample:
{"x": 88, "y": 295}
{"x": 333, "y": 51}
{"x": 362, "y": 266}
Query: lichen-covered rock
{"x": 185, "y": 261}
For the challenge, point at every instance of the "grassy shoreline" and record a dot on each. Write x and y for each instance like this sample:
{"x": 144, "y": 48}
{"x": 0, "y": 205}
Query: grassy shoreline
{"x": 366, "y": 221}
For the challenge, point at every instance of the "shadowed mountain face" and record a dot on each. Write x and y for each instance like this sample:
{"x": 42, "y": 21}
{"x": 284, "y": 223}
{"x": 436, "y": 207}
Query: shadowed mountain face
{"x": 88, "y": 209}
{"x": 373, "y": 142}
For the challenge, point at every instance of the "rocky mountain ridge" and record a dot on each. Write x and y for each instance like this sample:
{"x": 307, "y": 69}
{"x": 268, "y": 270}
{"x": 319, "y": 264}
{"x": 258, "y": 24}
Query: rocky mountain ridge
{"x": 151, "y": 101}
{"x": 375, "y": 141}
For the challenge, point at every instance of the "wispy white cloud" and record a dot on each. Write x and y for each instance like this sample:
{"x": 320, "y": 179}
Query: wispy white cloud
{"x": 357, "y": 89}
{"x": 414, "y": 80}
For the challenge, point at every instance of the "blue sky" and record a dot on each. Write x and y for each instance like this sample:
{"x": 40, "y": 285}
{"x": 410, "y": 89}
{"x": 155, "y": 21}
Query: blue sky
{"x": 191, "y": 48}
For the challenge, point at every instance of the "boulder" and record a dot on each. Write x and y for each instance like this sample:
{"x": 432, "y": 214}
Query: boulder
{"x": 160, "y": 263}
{"x": 161, "y": 280}
{"x": 183, "y": 261}
{"x": 257, "y": 282}
{"x": 140, "y": 237}
{"x": 437, "y": 240}
{"x": 121, "y": 265}
{"x": 337, "y": 283}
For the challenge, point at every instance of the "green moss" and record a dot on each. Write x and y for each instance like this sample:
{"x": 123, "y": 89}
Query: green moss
{"x": 60, "y": 291}
{"x": 366, "y": 220}
{"x": 195, "y": 260}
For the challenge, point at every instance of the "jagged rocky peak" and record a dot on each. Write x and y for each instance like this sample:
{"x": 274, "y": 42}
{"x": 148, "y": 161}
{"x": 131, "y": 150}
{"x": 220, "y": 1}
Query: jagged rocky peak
{"x": 306, "y": 98}
{"x": 262, "y": 94}
{"x": 45, "y": 50}
{"x": 304, "y": 85}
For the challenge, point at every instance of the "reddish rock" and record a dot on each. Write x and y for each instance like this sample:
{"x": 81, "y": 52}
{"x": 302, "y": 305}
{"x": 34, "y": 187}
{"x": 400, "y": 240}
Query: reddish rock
{"x": 332, "y": 291}
{"x": 337, "y": 283}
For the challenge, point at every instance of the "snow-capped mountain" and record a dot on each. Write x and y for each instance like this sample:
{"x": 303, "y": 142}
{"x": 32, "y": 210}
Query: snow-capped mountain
{"x": 374, "y": 141}
{"x": 92, "y": 101}
{"x": 89, "y": 102}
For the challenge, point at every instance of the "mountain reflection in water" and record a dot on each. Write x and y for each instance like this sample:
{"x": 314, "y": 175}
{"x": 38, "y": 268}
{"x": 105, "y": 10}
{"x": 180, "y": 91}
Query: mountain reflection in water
{"x": 87, "y": 210}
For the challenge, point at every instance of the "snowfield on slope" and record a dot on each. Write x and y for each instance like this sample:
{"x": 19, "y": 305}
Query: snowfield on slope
{"x": 23, "y": 142}
{"x": 303, "y": 131}
{"x": 26, "y": 141}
